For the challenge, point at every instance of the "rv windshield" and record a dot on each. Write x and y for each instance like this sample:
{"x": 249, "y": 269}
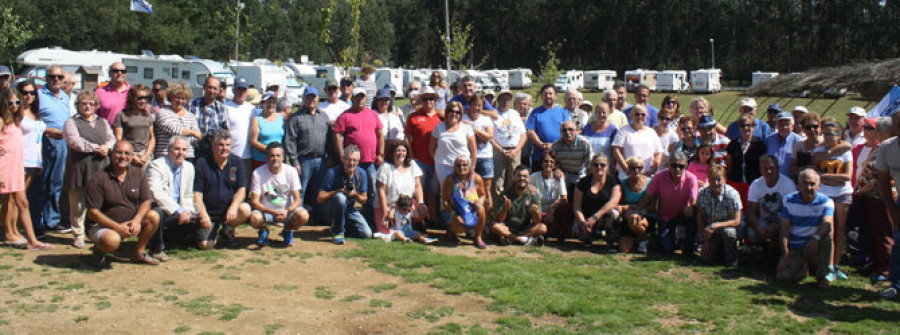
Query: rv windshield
{"x": 292, "y": 82}
{"x": 561, "y": 80}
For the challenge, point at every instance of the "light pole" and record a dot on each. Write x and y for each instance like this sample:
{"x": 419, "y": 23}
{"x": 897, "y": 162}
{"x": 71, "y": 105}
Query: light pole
{"x": 471, "y": 55}
{"x": 237, "y": 29}
{"x": 712, "y": 49}
{"x": 447, "y": 32}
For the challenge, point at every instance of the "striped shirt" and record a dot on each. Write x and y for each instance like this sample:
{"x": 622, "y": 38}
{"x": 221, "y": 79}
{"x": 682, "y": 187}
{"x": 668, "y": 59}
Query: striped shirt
{"x": 720, "y": 148}
{"x": 169, "y": 124}
{"x": 575, "y": 158}
{"x": 805, "y": 218}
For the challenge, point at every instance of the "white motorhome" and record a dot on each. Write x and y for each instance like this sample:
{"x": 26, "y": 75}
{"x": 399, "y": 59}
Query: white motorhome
{"x": 572, "y": 79}
{"x": 316, "y": 75}
{"x": 599, "y": 80}
{"x": 672, "y": 81}
{"x": 385, "y": 75}
{"x": 192, "y": 71}
{"x": 634, "y": 78}
{"x": 423, "y": 76}
{"x": 706, "y": 80}
{"x": 520, "y": 78}
{"x": 759, "y": 77}
{"x": 38, "y": 60}
{"x": 500, "y": 78}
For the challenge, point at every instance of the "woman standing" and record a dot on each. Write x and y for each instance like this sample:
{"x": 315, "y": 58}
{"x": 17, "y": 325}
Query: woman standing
{"x": 688, "y": 142}
{"x": 176, "y": 120}
{"x": 440, "y": 87}
{"x": 742, "y": 162}
{"x": 12, "y": 174}
{"x": 395, "y": 178}
{"x": 265, "y": 128}
{"x": 451, "y": 139}
{"x": 483, "y": 128}
{"x": 801, "y": 156}
{"x": 390, "y": 119}
{"x": 90, "y": 140}
{"x": 596, "y": 196}
{"x": 600, "y": 132}
{"x": 135, "y": 124}
{"x": 670, "y": 101}
{"x": 835, "y": 172}
{"x": 33, "y": 128}
{"x": 667, "y": 135}
{"x": 700, "y": 107}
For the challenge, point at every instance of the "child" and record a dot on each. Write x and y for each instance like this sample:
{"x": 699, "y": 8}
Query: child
{"x": 401, "y": 228}
{"x": 700, "y": 163}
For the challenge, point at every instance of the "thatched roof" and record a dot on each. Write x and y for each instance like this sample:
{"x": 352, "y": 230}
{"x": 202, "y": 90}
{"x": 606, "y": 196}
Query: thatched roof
{"x": 871, "y": 79}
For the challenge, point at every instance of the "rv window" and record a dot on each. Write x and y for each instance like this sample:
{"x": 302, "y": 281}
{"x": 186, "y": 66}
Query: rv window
{"x": 174, "y": 72}
{"x": 148, "y": 73}
{"x": 131, "y": 69}
{"x": 201, "y": 79}
{"x": 321, "y": 73}
{"x": 186, "y": 74}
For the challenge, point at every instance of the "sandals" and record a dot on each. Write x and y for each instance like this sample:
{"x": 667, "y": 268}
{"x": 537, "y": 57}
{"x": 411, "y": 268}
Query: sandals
{"x": 144, "y": 258}
{"x": 42, "y": 246}
{"x": 21, "y": 244}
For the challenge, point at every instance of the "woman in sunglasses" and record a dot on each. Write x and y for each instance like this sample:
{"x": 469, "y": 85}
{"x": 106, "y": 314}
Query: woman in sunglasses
{"x": 667, "y": 135}
{"x": 595, "y": 200}
{"x": 33, "y": 128}
{"x": 451, "y": 139}
{"x": 742, "y": 162}
{"x": 440, "y": 87}
{"x": 801, "y": 156}
{"x": 463, "y": 195}
{"x": 135, "y": 124}
{"x": 835, "y": 170}
{"x": 633, "y": 227}
{"x": 670, "y": 101}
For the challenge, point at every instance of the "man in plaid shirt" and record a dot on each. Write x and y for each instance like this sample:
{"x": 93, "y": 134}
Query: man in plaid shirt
{"x": 210, "y": 113}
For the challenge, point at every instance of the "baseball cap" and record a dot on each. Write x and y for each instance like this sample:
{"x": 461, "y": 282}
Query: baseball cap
{"x": 390, "y": 87}
{"x": 346, "y": 81}
{"x": 330, "y": 83}
{"x": 801, "y": 109}
{"x": 4, "y": 71}
{"x": 784, "y": 116}
{"x": 241, "y": 82}
{"x": 748, "y": 102}
{"x": 383, "y": 93}
{"x": 776, "y": 107}
{"x": 358, "y": 91}
{"x": 856, "y": 110}
{"x": 488, "y": 92}
{"x": 587, "y": 103}
{"x": 707, "y": 121}
{"x": 310, "y": 90}
{"x": 502, "y": 92}
{"x": 871, "y": 122}
{"x": 267, "y": 96}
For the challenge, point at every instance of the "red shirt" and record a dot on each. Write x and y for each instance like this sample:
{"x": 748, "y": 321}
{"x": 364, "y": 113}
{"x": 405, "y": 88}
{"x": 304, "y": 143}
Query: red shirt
{"x": 359, "y": 128}
{"x": 418, "y": 129}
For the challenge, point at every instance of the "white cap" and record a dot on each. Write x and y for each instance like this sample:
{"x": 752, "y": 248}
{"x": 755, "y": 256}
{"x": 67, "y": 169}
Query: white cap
{"x": 801, "y": 109}
{"x": 748, "y": 102}
{"x": 358, "y": 90}
{"x": 857, "y": 111}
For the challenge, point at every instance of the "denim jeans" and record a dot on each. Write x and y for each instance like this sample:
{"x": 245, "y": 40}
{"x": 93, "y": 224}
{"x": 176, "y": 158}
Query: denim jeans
{"x": 667, "y": 234}
{"x": 894, "y": 276}
{"x": 345, "y": 219}
{"x": 311, "y": 172}
{"x": 43, "y": 195}
{"x": 368, "y": 208}
{"x": 429, "y": 179}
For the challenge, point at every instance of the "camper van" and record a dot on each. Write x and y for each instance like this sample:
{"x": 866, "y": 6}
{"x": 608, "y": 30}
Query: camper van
{"x": 174, "y": 68}
{"x": 759, "y": 77}
{"x": 706, "y": 80}
{"x": 672, "y": 81}
{"x": 423, "y": 76}
{"x": 316, "y": 75}
{"x": 519, "y": 78}
{"x": 38, "y": 60}
{"x": 599, "y": 80}
{"x": 634, "y": 78}
{"x": 572, "y": 79}
{"x": 385, "y": 75}
{"x": 262, "y": 73}
{"x": 500, "y": 78}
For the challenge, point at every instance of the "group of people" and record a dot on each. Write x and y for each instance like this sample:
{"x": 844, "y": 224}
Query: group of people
{"x": 153, "y": 163}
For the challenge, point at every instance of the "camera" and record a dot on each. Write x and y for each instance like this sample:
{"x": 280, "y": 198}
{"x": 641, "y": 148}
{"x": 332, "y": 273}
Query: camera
{"x": 348, "y": 185}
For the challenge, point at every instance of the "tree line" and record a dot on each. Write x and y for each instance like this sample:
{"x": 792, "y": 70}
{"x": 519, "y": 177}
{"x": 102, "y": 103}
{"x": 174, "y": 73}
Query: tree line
{"x": 749, "y": 35}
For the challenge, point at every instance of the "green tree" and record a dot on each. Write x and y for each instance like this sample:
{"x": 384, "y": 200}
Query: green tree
{"x": 14, "y": 34}
{"x": 549, "y": 70}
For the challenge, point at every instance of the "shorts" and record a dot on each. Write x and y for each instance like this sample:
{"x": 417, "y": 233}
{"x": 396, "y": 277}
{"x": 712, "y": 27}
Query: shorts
{"x": 406, "y": 230}
{"x": 846, "y": 199}
{"x": 96, "y": 231}
{"x": 442, "y": 171}
{"x": 429, "y": 179}
{"x": 270, "y": 219}
{"x": 484, "y": 167}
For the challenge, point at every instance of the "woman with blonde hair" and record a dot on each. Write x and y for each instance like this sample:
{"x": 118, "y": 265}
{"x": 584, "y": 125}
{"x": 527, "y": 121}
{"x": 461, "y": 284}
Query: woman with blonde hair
{"x": 135, "y": 124}
{"x": 634, "y": 225}
{"x": 176, "y": 120}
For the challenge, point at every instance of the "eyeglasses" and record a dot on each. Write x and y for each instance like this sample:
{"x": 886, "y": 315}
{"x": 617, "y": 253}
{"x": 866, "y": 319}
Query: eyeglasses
{"x": 178, "y": 98}
{"x": 86, "y": 103}
{"x": 811, "y": 127}
{"x": 158, "y": 89}
{"x": 665, "y": 118}
{"x": 834, "y": 133}
{"x": 568, "y": 130}
{"x": 452, "y": 112}
{"x": 636, "y": 168}
{"x": 430, "y": 99}
{"x": 599, "y": 165}
{"x": 119, "y": 71}
{"x": 747, "y": 125}
{"x": 17, "y": 103}
{"x": 868, "y": 128}
{"x": 145, "y": 98}
{"x": 461, "y": 164}
{"x": 677, "y": 166}
{"x": 55, "y": 76}
{"x": 29, "y": 92}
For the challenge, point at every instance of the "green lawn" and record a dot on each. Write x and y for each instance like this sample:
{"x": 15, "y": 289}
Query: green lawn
{"x": 633, "y": 294}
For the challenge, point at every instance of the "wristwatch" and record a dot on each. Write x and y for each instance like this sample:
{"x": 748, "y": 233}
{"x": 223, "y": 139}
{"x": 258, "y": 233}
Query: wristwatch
{"x": 816, "y": 237}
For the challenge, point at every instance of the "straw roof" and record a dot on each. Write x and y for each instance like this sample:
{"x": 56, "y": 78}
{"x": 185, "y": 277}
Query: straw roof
{"x": 871, "y": 79}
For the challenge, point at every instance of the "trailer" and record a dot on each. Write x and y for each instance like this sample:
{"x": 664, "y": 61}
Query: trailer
{"x": 190, "y": 70}
{"x": 37, "y": 61}
{"x": 500, "y": 78}
{"x": 316, "y": 75}
{"x": 262, "y": 73}
{"x": 635, "y": 78}
{"x": 385, "y": 75}
{"x": 760, "y": 77}
{"x": 599, "y": 80}
{"x": 706, "y": 80}
{"x": 672, "y": 81}
{"x": 572, "y": 79}
{"x": 519, "y": 78}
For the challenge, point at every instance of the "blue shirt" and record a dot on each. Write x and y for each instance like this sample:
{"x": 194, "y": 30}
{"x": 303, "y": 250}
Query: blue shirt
{"x": 334, "y": 179}
{"x": 651, "y": 115}
{"x": 601, "y": 142}
{"x": 219, "y": 185}
{"x": 54, "y": 111}
{"x": 465, "y": 103}
{"x": 781, "y": 149}
{"x": 209, "y": 117}
{"x": 545, "y": 122}
{"x": 805, "y": 218}
{"x": 761, "y": 131}
{"x": 176, "y": 183}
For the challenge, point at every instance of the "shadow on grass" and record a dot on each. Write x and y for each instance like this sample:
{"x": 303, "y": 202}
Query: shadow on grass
{"x": 77, "y": 262}
{"x": 837, "y": 303}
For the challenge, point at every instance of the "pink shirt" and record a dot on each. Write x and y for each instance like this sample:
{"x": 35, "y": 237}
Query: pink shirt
{"x": 359, "y": 128}
{"x": 111, "y": 101}
{"x": 700, "y": 170}
{"x": 677, "y": 197}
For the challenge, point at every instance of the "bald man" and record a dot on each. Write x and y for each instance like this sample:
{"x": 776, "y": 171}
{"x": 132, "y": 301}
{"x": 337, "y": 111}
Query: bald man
{"x": 114, "y": 94}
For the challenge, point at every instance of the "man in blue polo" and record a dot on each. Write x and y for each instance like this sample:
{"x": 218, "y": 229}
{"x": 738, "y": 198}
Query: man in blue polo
{"x": 642, "y": 97}
{"x": 544, "y": 123}
{"x": 44, "y": 194}
{"x": 762, "y": 130}
{"x": 467, "y": 91}
{"x": 781, "y": 143}
{"x": 806, "y": 228}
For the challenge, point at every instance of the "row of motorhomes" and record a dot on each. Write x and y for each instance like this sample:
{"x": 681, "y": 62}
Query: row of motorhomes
{"x": 91, "y": 68}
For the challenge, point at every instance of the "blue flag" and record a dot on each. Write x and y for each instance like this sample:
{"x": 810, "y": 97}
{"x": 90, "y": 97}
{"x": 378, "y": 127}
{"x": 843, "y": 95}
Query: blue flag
{"x": 887, "y": 105}
{"x": 141, "y": 6}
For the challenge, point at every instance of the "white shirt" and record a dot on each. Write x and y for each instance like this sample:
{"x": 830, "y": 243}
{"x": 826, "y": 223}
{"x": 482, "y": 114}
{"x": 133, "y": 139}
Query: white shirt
{"x": 769, "y": 198}
{"x": 861, "y": 160}
{"x": 846, "y": 160}
{"x": 451, "y": 145}
{"x": 239, "y": 124}
{"x": 855, "y": 140}
{"x": 643, "y": 143}
{"x": 549, "y": 189}
{"x": 508, "y": 128}
{"x": 396, "y": 183}
{"x": 333, "y": 110}
{"x": 275, "y": 190}
{"x": 393, "y": 126}
{"x": 483, "y": 123}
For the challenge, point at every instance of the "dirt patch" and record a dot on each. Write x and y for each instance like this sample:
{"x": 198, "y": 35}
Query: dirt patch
{"x": 681, "y": 274}
{"x": 278, "y": 290}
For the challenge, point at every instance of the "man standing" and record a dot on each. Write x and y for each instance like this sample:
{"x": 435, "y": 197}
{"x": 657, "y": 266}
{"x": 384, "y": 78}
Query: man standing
{"x": 615, "y": 116}
{"x": 573, "y": 154}
{"x": 114, "y": 95}
{"x": 159, "y": 94}
{"x": 519, "y": 218}
{"x": 275, "y": 197}
{"x": 419, "y": 126}
{"x": 856, "y": 118}
{"x": 343, "y": 193}
{"x": 360, "y": 126}
{"x": 210, "y": 114}
{"x": 509, "y": 138}
{"x": 572, "y": 100}
{"x": 5, "y": 78}
{"x": 764, "y": 201}
{"x": 238, "y": 113}
{"x": 306, "y": 143}
{"x": 220, "y": 187}
{"x": 806, "y": 228}
{"x": 887, "y": 163}
{"x": 621, "y": 102}
{"x": 467, "y": 90}
{"x": 118, "y": 202}
{"x": 171, "y": 180}
{"x": 642, "y": 97}
{"x": 44, "y": 194}
{"x": 762, "y": 130}
{"x": 69, "y": 88}
{"x": 544, "y": 123}
{"x": 672, "y": 194}
{"x": 333, "y": 106}
{"x": 346, "y": 89}
{"x": 781, "y": 143}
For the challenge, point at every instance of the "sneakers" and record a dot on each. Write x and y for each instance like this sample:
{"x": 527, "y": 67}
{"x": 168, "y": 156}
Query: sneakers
{"x": 839, "y": 274}
{"x": 263, "y": 237}
{"x": 889, "y": 293}
{"x": 227, "y": 234}
{"x": 160, "y": 256}
{"x": 642, "y": 247}
{"x": 830, "y": 276}
{"x": 612, "y": 249}
{"x": 878, "y": 278}
{"x": 60, "y": 230}
{"x": 79, "y": 242}
{"x": 338, "y": 239}
{"x": 539, "y": 241}
{"x": 98, "y": 260}
{"x": 587, "y": 242}
{"x": 430, "y": 240}
{"x": 382, "y": 236}
{"x": 288, "y": 236}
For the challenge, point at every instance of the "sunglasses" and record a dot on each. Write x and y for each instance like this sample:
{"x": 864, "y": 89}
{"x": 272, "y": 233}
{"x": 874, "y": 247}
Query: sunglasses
{"x": 158, "y": 89}
{"x": 599, "y": 165}
{"x": 665, "y": 118}
{"x": 35, "y": 93}
{"x": 17, "y": 103}
{"x": 119, "y": 71}
{"x": 811, "y": 127}
{"x": 430, "y": 99}
{"x": 834, "y": 133}
{"x": 461, "y": 164}
{"x": 687, "y": 130}
{"x": 747, "y": 125}
{"x": 145, "y": 98}
{"x": 452, "y": 112}
{"x": 868, "y": 128}
{"x": 568, "y": 129}
{"x": 677, "y": 166}
{"x": 55, "y": 76}
{"x": 636, "y": 168}
{"x": 86, "y": 103}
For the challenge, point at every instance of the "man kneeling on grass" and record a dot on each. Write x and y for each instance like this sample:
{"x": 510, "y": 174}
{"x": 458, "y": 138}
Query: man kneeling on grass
{"x": 118, "y": 202}
{"x": 275, "y": 197}
{"x": 806, "y": 226}
{"x": 220, "y": 187}
{"x": 519, "y": 218}
{"x": 342, "y": 196}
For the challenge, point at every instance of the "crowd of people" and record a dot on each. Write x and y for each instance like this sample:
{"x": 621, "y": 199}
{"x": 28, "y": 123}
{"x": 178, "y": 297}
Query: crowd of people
{"x": 165, "y": 167}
